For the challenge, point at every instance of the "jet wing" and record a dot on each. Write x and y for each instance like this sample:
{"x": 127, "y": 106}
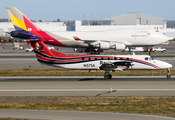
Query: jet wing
{"x": 119, "y": 65}
{"x": 87, "y": 41}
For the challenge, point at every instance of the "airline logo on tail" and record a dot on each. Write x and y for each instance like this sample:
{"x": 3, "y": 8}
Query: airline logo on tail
{"x": 76, "y": 38}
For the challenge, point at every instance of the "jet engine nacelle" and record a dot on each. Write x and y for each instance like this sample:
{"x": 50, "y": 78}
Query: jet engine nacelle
{"x": 119, "y": 46}
{"x": 104, "y": 45}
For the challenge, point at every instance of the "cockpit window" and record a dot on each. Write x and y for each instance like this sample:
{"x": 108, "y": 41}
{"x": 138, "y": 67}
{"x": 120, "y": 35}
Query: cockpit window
{"x": 146, "y": 58}
{"x": 151, "y": 58}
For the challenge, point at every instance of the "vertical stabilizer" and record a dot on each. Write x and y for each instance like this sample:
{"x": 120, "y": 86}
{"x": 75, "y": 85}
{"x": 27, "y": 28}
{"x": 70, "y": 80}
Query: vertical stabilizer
{"x": 41, "y": 50}
{"x": 20, "y": 21}
{"x": 23, "y": 25}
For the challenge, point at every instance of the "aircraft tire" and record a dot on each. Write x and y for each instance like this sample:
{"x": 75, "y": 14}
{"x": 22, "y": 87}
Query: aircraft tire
{"x": 168, "y": 76}
{"x": 106, "y": 76}
{"x": 110, "y": 76}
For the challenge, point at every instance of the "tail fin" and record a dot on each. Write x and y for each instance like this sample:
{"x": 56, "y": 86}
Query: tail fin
{"x": 23, "y": 24}
{"x": 25, "y": 29}
{"x": 43, "y": 52}
{"x": 20, "y": 21}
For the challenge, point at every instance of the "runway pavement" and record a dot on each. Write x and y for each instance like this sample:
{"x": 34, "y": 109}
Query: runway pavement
{"x": 87, "y": 86}
{"x": 76, "y": 115}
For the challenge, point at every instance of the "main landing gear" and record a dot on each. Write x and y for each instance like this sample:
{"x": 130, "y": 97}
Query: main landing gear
{"x": 168, "y": 74}
{"x": 107, "y": 75}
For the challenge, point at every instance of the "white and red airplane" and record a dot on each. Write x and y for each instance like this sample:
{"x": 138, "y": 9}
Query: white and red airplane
{"x": 111, "y": 39}
{"x": 108, "y": 63}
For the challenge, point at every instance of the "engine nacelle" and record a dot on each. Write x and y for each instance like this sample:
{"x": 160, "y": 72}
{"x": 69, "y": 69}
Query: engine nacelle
{"x": 104, "y": 45}
{"x": 119, "y": 46}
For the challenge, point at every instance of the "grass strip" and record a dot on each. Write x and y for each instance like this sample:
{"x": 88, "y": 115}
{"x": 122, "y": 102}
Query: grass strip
{"x": 164, "y": 106}
{"x": 27, "y": 72}
{"x": 14, "y": 119}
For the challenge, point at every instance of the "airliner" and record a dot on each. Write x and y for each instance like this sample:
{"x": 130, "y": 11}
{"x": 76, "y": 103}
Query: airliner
{"x": 108, "y": 63}
{"x": 110, "y": 39}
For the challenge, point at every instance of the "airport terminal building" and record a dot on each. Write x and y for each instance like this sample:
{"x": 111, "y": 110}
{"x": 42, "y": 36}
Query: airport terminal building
{"x": 128, "y": 20}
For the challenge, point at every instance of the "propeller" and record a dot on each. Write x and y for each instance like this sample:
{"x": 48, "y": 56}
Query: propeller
{"x": 132, "y": 61}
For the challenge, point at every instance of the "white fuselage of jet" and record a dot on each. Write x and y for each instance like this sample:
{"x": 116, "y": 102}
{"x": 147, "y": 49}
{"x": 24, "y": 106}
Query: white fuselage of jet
{"x": 128, "y": 37}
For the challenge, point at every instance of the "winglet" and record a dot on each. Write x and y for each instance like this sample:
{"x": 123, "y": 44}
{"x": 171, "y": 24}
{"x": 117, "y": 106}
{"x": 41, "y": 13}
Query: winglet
{"x": 76, "y": 38}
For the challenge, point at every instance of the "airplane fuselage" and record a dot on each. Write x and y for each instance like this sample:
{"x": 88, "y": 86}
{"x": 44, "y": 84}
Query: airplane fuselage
{"x": 116, "y": 39}
{"x": 129, "y": 37}
{"x": 109, "y": 62}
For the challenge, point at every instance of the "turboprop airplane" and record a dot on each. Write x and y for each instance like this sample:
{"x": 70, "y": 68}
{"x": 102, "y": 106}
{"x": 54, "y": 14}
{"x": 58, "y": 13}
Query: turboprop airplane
{"x": 108, "y": 63}
{"x": 111, "y": 39}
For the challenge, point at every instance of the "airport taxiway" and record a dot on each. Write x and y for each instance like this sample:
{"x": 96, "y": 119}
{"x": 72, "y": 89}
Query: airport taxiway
{"x": 77, "y": 115}
{"x": 87, "y": 86}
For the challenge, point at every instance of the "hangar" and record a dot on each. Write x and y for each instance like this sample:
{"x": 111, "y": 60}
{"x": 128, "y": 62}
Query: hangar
{"x": 137, "y": 19}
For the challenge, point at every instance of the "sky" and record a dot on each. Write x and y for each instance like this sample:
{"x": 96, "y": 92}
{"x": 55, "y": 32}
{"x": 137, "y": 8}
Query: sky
{"x": 65, "y": 10}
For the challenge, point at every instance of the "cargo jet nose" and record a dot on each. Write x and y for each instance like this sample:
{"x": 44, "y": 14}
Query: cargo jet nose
{"x": 161, "y": 37}
{"x": 165, "y": 38}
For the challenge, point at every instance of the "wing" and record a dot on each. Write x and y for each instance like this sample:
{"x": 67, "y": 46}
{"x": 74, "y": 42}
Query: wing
{"x": 119, "y": 65}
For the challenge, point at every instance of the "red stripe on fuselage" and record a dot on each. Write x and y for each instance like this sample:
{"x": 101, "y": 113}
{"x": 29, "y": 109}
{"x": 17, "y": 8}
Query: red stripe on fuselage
{"x": 145, "y": 62}
{"x": 86, "y": 57}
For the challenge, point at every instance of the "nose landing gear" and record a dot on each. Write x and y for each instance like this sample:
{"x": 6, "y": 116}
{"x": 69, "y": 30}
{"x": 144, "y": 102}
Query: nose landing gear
{"x": 168, "y": 74}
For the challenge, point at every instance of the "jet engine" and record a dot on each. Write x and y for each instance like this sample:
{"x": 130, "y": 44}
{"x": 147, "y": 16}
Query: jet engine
{"x": 101, "y": 45}
{"x": 104, "y": 45}
{"x": 119, "y": 46}
{"x": 107, "y": 45}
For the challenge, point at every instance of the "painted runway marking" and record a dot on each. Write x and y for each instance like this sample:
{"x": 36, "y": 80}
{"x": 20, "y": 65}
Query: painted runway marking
{"x": 79, "y": 90}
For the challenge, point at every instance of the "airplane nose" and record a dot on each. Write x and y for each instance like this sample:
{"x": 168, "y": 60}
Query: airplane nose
{"x": 163, "y": 65}
{"x": 166, "y": 65}
{"x": 165, "y": 38}
{"x": 161, "y": 37}
{"x": 169, "y": 65}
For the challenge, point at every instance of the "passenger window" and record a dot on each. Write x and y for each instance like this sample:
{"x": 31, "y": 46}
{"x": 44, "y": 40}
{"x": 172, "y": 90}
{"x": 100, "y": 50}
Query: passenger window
{"x": 95, "y": 58}
{"x": 115, "y": 58}
{"x": 83, "y": 59}
{"x": 108, "y": 58}
{"x": 102, "y": 58}
{"x": 89, "y": 58}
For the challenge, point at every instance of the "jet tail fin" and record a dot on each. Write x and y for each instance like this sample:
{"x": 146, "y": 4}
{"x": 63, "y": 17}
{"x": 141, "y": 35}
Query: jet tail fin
{"x": 23, "y": 26}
